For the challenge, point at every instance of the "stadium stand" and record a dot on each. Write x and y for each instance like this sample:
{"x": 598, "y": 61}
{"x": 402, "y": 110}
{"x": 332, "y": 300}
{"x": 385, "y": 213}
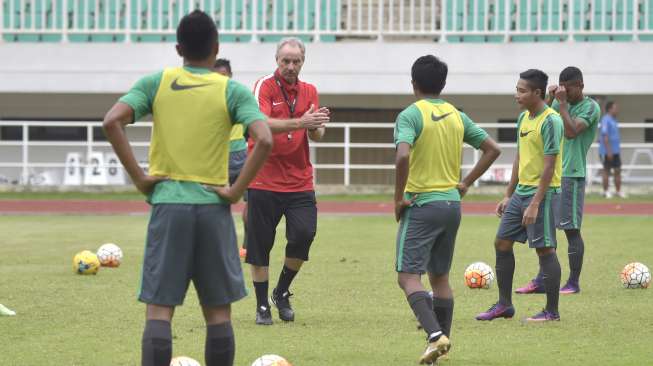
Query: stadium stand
{"x": 267, "y": 21}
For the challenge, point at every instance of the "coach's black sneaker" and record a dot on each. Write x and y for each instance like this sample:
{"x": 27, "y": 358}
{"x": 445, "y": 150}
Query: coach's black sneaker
{"x": 263, "y": 315}
{"x": 282, "y": 302}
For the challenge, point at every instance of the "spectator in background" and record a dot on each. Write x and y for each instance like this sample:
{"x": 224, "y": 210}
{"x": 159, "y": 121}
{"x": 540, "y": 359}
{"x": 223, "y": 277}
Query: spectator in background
{"x": 609, "y": 149}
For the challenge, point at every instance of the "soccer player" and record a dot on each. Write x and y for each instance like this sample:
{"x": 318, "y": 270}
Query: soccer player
{"x": 429, "y": 136}
{"x": 191, "y": 233}
{"x": 237, "y": 148}
{"x": 284, "y": 186}
{"x": 610, "y": 149}
{"x": 527, "y": 210}
{"x": 580, "y": 115}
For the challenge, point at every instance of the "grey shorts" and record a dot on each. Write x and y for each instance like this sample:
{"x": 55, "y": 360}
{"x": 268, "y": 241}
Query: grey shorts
{"x": 191, "y": 242}
{"x": 572, "y": 199}
{"x": 542, "y": 233}
{"x": 427, "y": 237}
{"x": 236, "y": 163}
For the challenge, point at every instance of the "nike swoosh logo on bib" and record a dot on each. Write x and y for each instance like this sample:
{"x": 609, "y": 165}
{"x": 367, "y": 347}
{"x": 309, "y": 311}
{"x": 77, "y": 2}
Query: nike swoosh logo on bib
{"x": 177, "y": 87}
{"x": 438, "y": 118}
{"x": 524, "y": 134}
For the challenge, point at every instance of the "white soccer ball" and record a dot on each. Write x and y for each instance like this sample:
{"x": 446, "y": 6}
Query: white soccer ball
{"x": 635, "y": 275}
{"x": 110, "y": 255}
{"x": 184, "y": 361}
{"x": 271, "y": 360}
{"x": 479, "y": 275}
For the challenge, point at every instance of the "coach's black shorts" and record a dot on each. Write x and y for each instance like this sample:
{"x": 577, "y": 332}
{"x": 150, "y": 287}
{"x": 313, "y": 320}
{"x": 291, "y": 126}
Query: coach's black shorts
{"x": 264, "y": 211}
{"x": 615, "y": 163}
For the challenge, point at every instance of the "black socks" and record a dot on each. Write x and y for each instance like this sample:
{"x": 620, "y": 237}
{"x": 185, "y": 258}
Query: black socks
{"x": 220, "y": 346}
{"x": 505, "y": 267}
{"x": 156, "y": 344}
{"x": 422, "y": 305}
{"x": 551, "y": 270}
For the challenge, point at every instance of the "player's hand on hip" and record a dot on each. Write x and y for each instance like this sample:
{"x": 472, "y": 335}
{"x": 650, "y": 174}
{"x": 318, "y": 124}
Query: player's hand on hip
{"x": 561, "y": 94}
{"x": 462, "y": 189}
{"x": 530, "y": 215}
{"x": 501, "y": 206}
{"x": 145, "y": 184}
{"x": 226, "y": 193}
{"x": 401, "y": 206}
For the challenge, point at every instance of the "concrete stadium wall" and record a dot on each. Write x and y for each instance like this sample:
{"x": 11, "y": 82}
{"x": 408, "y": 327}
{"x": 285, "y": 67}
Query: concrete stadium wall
{"x": 358, "y": 68}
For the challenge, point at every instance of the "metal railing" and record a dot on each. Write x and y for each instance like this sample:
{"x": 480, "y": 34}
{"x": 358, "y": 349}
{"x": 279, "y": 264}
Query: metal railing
{"x": 27, "y": 147}
{"x": 254, "y": 20}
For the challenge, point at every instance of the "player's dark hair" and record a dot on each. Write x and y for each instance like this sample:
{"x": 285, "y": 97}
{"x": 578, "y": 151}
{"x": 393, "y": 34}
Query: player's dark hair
{"x": 608, "y": 106}
{"x": 223, "y": 62}
{"x": 536, "y": 79}
{"x": 429, "y": 74}
{"x": 571, "y": 73}
{"x": 196, "y": 35}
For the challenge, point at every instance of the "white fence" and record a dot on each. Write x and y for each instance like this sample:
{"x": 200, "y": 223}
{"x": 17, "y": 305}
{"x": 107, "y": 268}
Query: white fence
{"x": 30, "y": 159}
{"x": 254, "y": 20}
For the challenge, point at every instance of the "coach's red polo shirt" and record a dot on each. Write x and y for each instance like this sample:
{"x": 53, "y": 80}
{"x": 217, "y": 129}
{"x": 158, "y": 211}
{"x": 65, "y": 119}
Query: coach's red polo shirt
{"x": 288, "y": 168}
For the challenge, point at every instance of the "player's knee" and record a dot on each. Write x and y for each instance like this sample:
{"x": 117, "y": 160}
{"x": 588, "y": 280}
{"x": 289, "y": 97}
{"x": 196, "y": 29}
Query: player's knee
{"x": 404, "y": 280}
{"x": 572, "y": 234}
{"x": 502, "y": 245}
{"x": 545, "y": 251}
{"x": 217, "y": 314}
{"x": 440, "y": 283}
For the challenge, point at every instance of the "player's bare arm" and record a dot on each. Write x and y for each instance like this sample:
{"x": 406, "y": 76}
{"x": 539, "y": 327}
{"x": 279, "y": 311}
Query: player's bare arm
{"x": 514, "y": 179}
{"x": 119, "y": 116}
{"x": 573, "y": 126}
{"x": 491, "y": 152}
{"x": 260, "y": 133}
{"x": 402, "y": 163}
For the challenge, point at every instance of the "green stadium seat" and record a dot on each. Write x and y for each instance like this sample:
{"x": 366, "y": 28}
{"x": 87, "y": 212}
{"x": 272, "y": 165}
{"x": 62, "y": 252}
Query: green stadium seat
{"x": 329, "y": 19}
{"x": 644, "y": 25}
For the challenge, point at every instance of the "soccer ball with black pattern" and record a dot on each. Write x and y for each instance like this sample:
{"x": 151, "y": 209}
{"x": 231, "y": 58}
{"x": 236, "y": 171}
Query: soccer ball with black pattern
{"x": 110, "y": 255}
{"x": 271, "y": 360}
{"x": 184, "y": 361}
{"x": 86, "y": 262}
{"x": 479, "y": 275}
{"x": 635, "y": 275}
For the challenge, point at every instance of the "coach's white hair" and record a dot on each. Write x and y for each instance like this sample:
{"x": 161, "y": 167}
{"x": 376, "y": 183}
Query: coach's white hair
{"x": 293, "y": 41}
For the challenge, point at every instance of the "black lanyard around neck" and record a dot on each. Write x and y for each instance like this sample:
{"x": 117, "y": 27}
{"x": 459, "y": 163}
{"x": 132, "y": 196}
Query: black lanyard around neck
{"x": 291, "y": 106}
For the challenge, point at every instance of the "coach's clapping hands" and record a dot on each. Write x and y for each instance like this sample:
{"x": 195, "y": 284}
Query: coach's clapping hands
{"x": 313, "y": 119}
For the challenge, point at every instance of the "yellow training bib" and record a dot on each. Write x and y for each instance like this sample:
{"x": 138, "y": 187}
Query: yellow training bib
{"x": 190, "y": 137}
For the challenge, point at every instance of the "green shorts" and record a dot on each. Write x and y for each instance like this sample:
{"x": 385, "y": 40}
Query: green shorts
{"x": 191, "y": 242}
{"x": 427, "y": 237}
{"x": 572, "y": 199}
{"x": 542, "y": 233}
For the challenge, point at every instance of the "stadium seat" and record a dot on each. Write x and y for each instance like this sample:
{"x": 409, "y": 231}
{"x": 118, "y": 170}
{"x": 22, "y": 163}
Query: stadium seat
{"x": 644, "y": 25}
{"x": 522, "y": 16}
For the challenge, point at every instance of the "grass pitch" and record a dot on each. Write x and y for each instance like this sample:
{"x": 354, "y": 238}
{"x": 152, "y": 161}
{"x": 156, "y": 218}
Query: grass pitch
{"x": 349, "y": 308}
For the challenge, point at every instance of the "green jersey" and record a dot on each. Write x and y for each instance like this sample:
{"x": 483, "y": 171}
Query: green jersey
{"x": 435, "y": 130}
{"x": 241, "y": 106}
{"x": 574, "y": 150}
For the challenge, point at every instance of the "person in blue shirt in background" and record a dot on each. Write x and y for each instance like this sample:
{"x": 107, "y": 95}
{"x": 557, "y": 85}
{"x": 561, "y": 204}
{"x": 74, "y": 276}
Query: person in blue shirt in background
{"x": 609, "y": 149}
